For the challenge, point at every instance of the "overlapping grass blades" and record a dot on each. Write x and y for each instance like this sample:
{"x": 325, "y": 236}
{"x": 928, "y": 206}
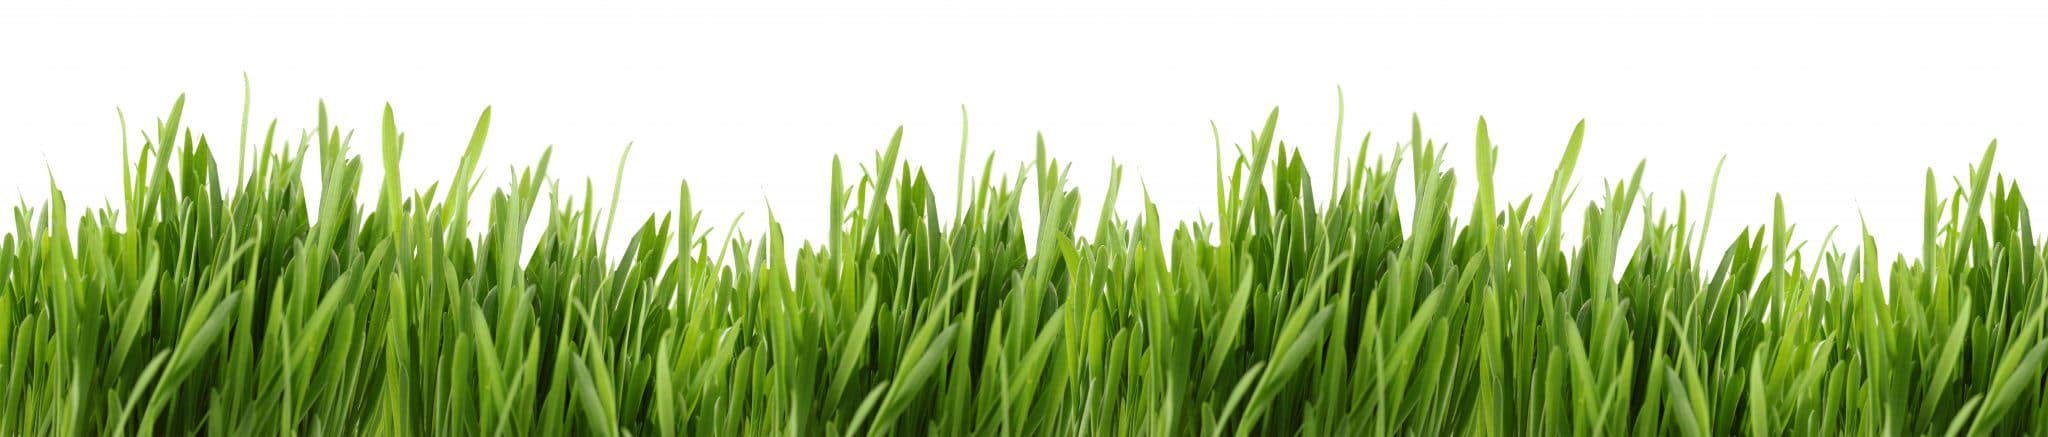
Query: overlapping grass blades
{"x": 248, "y": 306}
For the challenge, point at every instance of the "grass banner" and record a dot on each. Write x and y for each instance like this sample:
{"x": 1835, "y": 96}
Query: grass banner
{"x": 243, "y": 304}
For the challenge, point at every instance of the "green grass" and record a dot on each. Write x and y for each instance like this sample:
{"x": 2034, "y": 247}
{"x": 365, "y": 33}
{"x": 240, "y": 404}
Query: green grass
{"x": 245, "y": 305}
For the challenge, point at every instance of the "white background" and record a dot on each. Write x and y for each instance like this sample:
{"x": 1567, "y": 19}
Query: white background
{"x": 1842, "y": 110}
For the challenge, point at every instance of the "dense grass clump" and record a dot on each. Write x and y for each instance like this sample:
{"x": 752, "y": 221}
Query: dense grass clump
{"x": 249, "y": 306}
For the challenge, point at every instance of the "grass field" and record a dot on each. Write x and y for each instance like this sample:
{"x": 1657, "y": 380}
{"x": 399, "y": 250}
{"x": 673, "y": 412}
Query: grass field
{"x": 242, "y": 304}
